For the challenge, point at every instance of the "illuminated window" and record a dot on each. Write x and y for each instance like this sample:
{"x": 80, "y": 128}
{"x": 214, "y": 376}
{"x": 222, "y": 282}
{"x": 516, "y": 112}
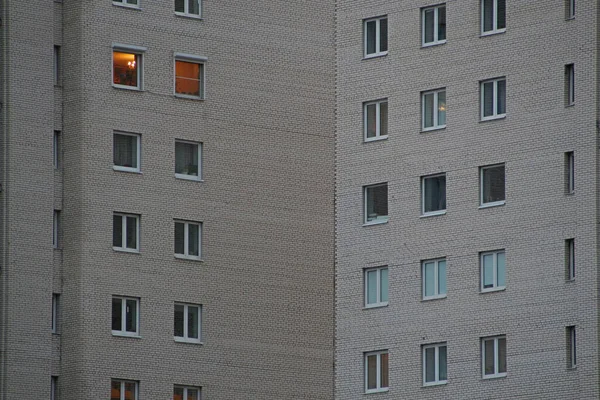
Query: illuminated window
{"x": 123, "y": 390}
{"x": 189, "y": 76}
{"x": 127, "y": 67}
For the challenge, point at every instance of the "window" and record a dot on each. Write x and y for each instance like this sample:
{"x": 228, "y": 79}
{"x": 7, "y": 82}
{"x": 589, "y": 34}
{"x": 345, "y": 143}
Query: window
{"x": 376, "y": 371}
{"x": 376, "y": 287}
{"x": 492, "y": 185}
{"x": 127, "y": 67}
{"x": 190, "y": 8}
{"x": 126, "y": 232}
{"x": 376, "y": 120}
{"x": 570, "y": 84}
{"x": 493, "y": 271}
{"x": 433, "y": 109}
{"x": 126, "y": 152}
{"x": 123, "y": 390}
{"x": 188, "y": 237}
{"x": 127, "y": 3}
{"x": 434, "y": 25}
{"x": 186, "y": 393}
{"x": 125, "y": 316}
{"x": 434, "y": 279}
{"x": 493, "y": 16}
{"x": 188, "y": 156}
{"x": 433, "y": 194}
{"x": 435, "y": 365}
{"x": 493, "y": 350}
{"x": 189, "y": 76}
{"x": 570, "y": 258}
{"x": 56, "y": 229}
{"x": 56, "y": 149}
{"x": 571, "y": 347}
{"x": 54, "y": 388}
{"x": 376, "y": 203}
{"x": 493, "y": 99}
{"x": 376, "y": 37}
{"x": 187, "y": 323}
{"x": 55, "y": 312}
{"x": 570, "y": 9}
{"x": 57, "y": 65}
{"x": 570, "y": 172}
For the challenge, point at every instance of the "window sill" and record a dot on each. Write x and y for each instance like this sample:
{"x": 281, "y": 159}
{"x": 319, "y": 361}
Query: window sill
{"x": 127, "y": 335}
{"x": 570, "y": 18}
{"x": 188, "y": 96}
{"x": 189, "y": 177}
{"x": 184, "y": 15}
{"x": 493, "y": 204}
{"x": 125, "y": 5}
{"x": 376, "y": 305}
{"x": 188, "y": 341}
{"x": 570, "y": 280}
{"x": 571, "y": 193}
{"x": 370, "y": 223}
{"x": 430, "y": 384}
{"x": 127, "y": 87}
{"x": 376, "y": 138}
{"x": 572, "y": 368}
{"x": 377, "y": 390}
{"x": 491, "y": 290}
{"x": 125, "y": 250}
{"x": 491, "y": 33}
{"x": 569, "y": 105}
{"x": 126, "y": 169}
{"x": 432, "y": 44}
{"x": 431, "y": 298}
{"x": 492, "y": 118}
{"x": 496, "y": 376}
{"x": 191, "y": 258}
{"x": 433, "y": 128}
{"x": 375, "y": 55}
{"x": 433, "y": 214}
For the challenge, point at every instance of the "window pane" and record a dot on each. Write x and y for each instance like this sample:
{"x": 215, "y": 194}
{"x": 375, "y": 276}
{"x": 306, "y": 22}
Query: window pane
{"x": 125, "y": 151}
{"x": 383, "y": 119}
{"x": 179, "y": 6}
{"x": 489, "y": 357}
{"x": 179, "y": 238}
{"x": 193, "y": 240}
{"x": 501, "y": 17}
{"x": 193, "y": 394}
{"x": 429, "y": 279}
{"x": 129, "y": 390}
{"x": 371, "y": 31}
{"x": 178, "y": 393}
{"x": 187, "y": 77}
{"x": 116, "y": 314}
{"x": 428, "y": 110}
{"x": 117, "y": 231}
{"x": 442, "y": 277}
{"x": 501, "y": 97}
{"x": 443, "y": 363}
{"x": 435, "y": 193}
{"x": 131, "y": 316}
{"x": 384, "y": 370}
{"x": 442, "y": 23}
{"x": 488, "y": 15}
{"x": 383, "y": 35}
{"x": 193, "y": 319}
{"x": 371, "y": 287}
{"x": 384, "y": 284}
{"x": 186, "y": 158}
{"x": 493, "y": 184}
{"x": 430, "y": 364}
{"x": 441, "y": 108}
{"x": 178, "y": 317}
{"x": 488, "y": 99}
{"x": 502, "y": 355}
{"x": 115, "y": 390}
{"x": 371, "y": 120}
{"x": 377, "y": 207}
{"x": 488, "y": 271}
{"x": 125, "y": 69}
{"x": 429, "y": 25}
{"x": 194, "y": 7}
{"x": 501, "y": 270}
{"x": 131, "y": 232}
{"x": 372, "y": 372}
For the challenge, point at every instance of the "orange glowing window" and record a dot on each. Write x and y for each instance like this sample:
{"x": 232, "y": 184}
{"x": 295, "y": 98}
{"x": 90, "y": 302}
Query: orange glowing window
{"x": 126, "y": 69}
{"x": 188, "y": 78}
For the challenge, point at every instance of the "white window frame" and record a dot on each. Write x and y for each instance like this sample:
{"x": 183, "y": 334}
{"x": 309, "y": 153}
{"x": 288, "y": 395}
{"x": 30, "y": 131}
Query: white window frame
{"x": 571, "y": 347}
{"x": 186, "y": 240}
{"x": 570, "y": 258}
{"x": 139, "y": 59}
{"x": 436, "y": 212}
{"x": 378, "y": 135}
{"x": 436, "y": 278}
{"x": 495, "y": 286}
{"x": 436, "y": 16}
{"x": 570, "y": 172}
{"x": 378, "y": 378}
{"x": 185, "y": 338}
{"x": 185, "y": 391}
{"x": 123, "y": 331}
{"x": 437, "y": 380}
{"x": 56, "y": 149}
{"x": 122, "y": 391}
{"x": 55, "y": 313}
{"x": 436, "y": 102}
{"x": 481, "y": 188}
{"x": 570, "y": 84}
{"x": 124, "y": 233}
{"x": 190, "y": 58}
{"x": 495, "y": 113}
{"x": 496, "y": 374}
{"x": 570, "y": 9}
{"x": 56, "y": 229}
{"x": 381, "y": 219}
{"x": 379, "y": 302}
{"x": 186, "y": 176}
{"x": 57, "y": 65}
{"x": 186, "y": 12}
{"x": 378, "y": 52}
{"x": 495, "y": 29}
{"x": 124, "y": 3}
{"x": 138, "y": 149}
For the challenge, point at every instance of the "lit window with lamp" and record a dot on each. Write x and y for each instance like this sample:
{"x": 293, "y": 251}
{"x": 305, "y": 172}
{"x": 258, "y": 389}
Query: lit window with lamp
{"x": 189, "y": 76}
{"x": 127, "y": 67}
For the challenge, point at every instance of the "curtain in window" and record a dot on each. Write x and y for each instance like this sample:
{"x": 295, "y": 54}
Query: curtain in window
{"x": 430, "y": 364}
{"x": 178, "y": 319}
{"x": 371, "y": 32}
{"x": 193, "y": 319}
{"x": 383, "y": 34}
{"x": 186, "y": 158}
{"x": 125, "y": 151}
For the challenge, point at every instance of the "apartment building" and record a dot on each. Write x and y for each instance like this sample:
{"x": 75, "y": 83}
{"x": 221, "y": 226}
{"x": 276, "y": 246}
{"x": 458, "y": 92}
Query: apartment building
{"x": 167, "y": 199}
{"x": 467, "y": 200}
